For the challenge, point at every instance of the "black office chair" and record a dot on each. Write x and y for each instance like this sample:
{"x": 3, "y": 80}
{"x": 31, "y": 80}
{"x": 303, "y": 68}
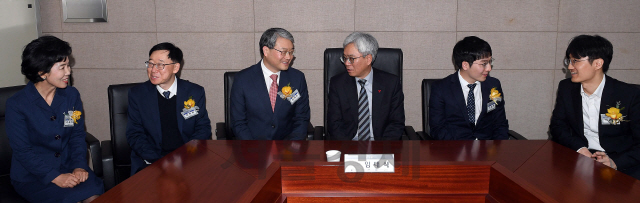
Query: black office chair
{"x": 223, "y": 129}
{"x": 7, "y": 193}
{"x": 426, "y": 94}
{"x": 387, "y": 59}
{"x": 116, "y": 153}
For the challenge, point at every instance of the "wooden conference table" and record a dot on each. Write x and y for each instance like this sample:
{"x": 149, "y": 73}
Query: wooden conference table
{"x": 434, "y": 171}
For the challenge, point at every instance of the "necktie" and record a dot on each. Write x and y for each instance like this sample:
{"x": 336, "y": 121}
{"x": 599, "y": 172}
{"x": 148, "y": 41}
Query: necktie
{"x": 166, "y": 94}
{"x": 364, "y": 131}
{"x": 471, "y": 104}
{"x": 273, "y": 91}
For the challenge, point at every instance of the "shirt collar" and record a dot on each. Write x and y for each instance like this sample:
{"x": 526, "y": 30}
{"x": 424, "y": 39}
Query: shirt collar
{"x": 266, "y": 72}
{"x": 598, "y": 91}
{"x": 464, "y": 82}
{"x": 369, "y": 77}
{"x": 173, "y": 89}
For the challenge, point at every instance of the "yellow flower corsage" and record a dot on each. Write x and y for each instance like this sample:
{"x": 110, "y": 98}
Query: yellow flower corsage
{"x": 76, "y": 116}
{"x": 495, "y": 95}
{"x": 189, "y": 103}
{"x": 615, "y": 115}
{"x": 286, "y": 90}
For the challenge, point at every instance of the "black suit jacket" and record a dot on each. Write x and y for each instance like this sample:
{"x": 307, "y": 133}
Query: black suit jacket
{"x": 144, "y": 132}
{"x": 621, "y": 142}
{"x": 387, "y": 111}
{"x": 251, "y": 115}
{"x": 448, "y": 112}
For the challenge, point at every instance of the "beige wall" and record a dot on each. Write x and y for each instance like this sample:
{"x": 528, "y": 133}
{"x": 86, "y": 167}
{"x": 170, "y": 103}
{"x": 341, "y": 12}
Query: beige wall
{"x": 528, "y": 39}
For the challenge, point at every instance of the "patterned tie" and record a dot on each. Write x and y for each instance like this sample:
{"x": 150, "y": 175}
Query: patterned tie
{"x": 364, "y": 132}
{"x": 166, "y": 94}
{"x": 273, "y": 91}
{"x": 471, "y": 104}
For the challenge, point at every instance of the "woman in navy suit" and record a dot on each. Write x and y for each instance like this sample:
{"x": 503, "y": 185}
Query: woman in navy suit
{"x": 45, "y": 126}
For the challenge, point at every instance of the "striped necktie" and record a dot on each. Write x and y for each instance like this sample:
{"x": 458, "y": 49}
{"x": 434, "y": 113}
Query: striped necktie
{"x": 364, "y": 131}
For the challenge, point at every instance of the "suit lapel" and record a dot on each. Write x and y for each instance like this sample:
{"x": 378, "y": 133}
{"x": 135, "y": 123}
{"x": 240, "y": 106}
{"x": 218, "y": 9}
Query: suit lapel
{"x": 485, "y": 90}
{"x": 180, "y": 99}
{"x": 576, "y": 102}
{"x": 608, "y": 100}
{"x": 377, "y": 90}
{"x": 284, "y": 81}
{"x": 351, "y": 90}
{"x": 261, "y": 95}
{"x": 458, "y": 97}
{"x": 150, "y": 103}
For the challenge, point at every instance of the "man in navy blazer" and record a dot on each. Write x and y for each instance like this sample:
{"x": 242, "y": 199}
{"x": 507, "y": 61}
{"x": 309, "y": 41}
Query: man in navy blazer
{"x": 165, "y": 112}
{"x": 382, "y": 117}
{"x": 270, "y": 100}
{"x": 597, "y": 115}
{"x": 469, "y": 104}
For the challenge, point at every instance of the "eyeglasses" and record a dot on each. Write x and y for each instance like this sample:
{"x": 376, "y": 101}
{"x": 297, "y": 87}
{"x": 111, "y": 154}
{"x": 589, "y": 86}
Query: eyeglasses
{"x": 568, "y": 61}
{"x": 284, "y": 53}
{"x": 159, "y": 66}
{"x": 490, "y": 62}
{"x": 346, "y": 59}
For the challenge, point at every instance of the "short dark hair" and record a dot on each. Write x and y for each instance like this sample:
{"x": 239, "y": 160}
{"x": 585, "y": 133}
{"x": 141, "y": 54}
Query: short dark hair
{"x": 270, "y": 36}
{"x": 41, "y": 54}
{"x": 594, "y": 47}
{"x": 470, "y": 49}
{"x": 175, "y": 54}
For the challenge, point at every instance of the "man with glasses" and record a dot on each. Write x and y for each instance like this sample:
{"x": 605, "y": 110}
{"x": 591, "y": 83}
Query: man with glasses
{"x": 158, "y": 121}
{"x": 597, "y": 115}
{"x": 468, "y": 104}
{"x": 270, "y": 100}
{"x": 365, "y": 103}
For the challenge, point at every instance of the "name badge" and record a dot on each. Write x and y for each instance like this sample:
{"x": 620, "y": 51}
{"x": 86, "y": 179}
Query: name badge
{"x": 188, "y": 113}
{"x": 491, "y": 106}
{"x": 294, "y": 97}
{"x": 369, "y": 163}
{"x": 605, "y": 120}
{"x": 68, "y": 121}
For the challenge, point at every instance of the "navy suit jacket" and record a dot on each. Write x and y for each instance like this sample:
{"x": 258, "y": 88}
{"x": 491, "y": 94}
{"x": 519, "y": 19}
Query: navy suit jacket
{"x": 387, "y": 107}
{"x": 448, "y": 112}
{"x": 144, "y": 132}
{"x": 251, "y": 114}
{"x": 42, "y": 147}
{"x": 621, "y": 142}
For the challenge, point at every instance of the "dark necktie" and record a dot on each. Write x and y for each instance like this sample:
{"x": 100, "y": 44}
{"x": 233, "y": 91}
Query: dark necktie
{"x": 166, "y": 94}
{"x": 363, "y": 113}
{"x": 471, "y": 104}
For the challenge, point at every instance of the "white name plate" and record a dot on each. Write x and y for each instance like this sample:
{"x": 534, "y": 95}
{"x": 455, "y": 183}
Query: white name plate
{"x": 369, "y": 163}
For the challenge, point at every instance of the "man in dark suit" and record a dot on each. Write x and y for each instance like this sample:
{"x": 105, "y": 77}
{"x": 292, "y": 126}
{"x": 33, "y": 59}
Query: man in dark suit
{"x": 597, "y": 115}
{"x": 469, "y": 104}
{"x": 364, "y": 103}
{"x": 165, "y": 112}
{"x": 270, "y": 100}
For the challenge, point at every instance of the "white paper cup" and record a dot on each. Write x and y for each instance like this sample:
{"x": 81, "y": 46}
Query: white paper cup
{"x": 333, "y": 155}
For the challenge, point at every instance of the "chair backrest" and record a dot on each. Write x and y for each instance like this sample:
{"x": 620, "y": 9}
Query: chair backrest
{"x": 118, "y": 117}
{"x": 5, "y": 149}
{"x": 387, "y": 59}
{"x": 228, "y": 83}
{"x": 426, "y": 94}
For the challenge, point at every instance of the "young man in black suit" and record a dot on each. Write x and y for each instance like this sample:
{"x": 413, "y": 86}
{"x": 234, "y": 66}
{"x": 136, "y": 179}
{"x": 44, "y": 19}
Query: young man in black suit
{"x": 469, "y": 104}
{"x": 597, "y": 115}
{"x": 365, "y": 103}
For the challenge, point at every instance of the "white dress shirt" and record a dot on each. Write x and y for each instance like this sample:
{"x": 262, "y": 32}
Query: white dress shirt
{"x": 368, "y": 88}
{"x": 173, "y": 89}
{"x": 591, "y": 115}
{"x": 477, "y": 94}
{"x": 267, "y": 76}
